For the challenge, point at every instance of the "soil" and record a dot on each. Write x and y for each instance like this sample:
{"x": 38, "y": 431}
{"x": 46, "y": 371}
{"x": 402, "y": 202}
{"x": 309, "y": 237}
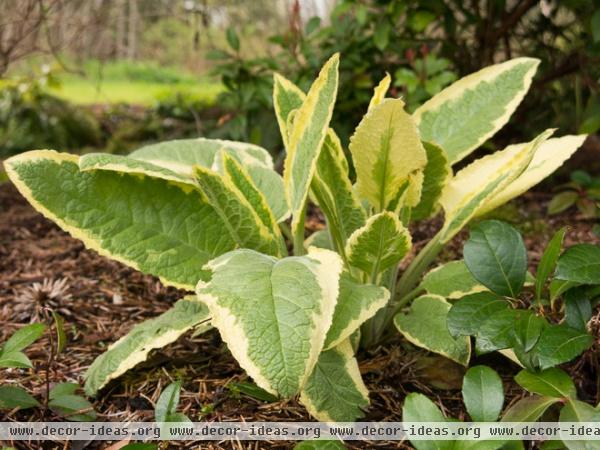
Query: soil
{"x": 42, "y": 267}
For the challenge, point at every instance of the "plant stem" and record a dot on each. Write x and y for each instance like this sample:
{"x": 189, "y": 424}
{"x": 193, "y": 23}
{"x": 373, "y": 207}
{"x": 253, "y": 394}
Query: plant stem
{"x": 298, "y": 231}
{"x": 409, "y": 279}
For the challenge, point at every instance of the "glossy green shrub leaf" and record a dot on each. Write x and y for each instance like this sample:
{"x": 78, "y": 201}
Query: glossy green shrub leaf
{"x": 335, "y": 392}
{"x": 578, "y": 308}
{"x": 470, "y": 191}
{"x": 151, "y": 224}
{"x": 548, "y": 261}
{"x": 497, "y": 332}
{"x": 528, "y": 328}
{"x": 425, "y": 326}
{"x": 470, "y": 111}
{"x": 436, "y": 175}
{"x": 306, "y": 137}
{"x": 15, "y": 397}
{"x": 419, "y": 409}
{"x": 578, "y": 411}
{"x": 483, "y": 394}
{"x": 466, "y": 316}
{"x": 561, "y": 343}
{"x": 496, "y": 256}
{"x": 580, "y": 264}
{"x": 379, "y": 245}
{"x": 451, "y": 280}
{"x": 529, "y": 409}
{"x": 386, "y": 149}
{"x": 357, "y": 302}
{"x": 551, "y": 382}
{"x": 273, "y": 314}
{"x": 134, "y": 347}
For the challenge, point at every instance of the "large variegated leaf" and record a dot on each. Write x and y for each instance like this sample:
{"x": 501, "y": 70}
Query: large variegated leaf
{"x": 270, "y": 183}
{"x": 549, "y": 156}
{"x": 134, "y": 347}
{"x": 451, "y": 280}
{"x": 467, "y": 113}
{"x": 436, "y": 175}
{"x": 357, "y": 302}
{"x": 333, "y": 192}
{"x": 237, "y": 176}
{"x": 157, "y": 226}
{"x": 335, "y": 391}
{"x": 380, "y": 91}
{"x": 311, "y": 122}
{"x": 425, "y": 326}
{"x": 481, "y": 181}
{"x": 125, "y": 164}
{"x": 273, "y": 314}
{"x": 386, "y": 149}
{"x": 379, "y": 245}
{"x": 181, "y": 155}
{"x": 241, "y": 220}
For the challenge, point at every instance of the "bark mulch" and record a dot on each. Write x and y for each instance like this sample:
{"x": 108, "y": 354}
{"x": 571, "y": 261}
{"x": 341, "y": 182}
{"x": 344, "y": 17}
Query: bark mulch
{"x": 100, "y": 300}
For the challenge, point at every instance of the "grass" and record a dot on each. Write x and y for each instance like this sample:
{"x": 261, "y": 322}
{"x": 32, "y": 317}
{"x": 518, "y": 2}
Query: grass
{"x": 142, "y": 83}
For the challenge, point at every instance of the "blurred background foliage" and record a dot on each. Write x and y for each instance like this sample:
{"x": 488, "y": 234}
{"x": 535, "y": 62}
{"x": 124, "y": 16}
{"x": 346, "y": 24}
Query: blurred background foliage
{"x": 113, "y": 74}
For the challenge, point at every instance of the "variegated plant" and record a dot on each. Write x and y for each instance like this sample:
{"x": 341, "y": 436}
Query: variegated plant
{"x": 210, "y": 216}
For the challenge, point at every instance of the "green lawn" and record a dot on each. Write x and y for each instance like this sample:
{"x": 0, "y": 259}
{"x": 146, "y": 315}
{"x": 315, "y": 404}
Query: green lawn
{"x": 86, "y": 91}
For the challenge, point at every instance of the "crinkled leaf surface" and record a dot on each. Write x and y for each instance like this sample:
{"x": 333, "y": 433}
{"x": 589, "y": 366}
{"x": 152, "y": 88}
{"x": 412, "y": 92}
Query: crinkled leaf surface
{"x": 386, "y": 149}
{"x": 357, "y": 302}
{"x": 425, "y": 326}
{"x": 134, "y": 347}
{"x": 468, "y": 112}
{"x": 379, "y": 245}
{"x": 274, "y": 314}
{"x": 335, "y": 392}
{"x": 157, "y": 226}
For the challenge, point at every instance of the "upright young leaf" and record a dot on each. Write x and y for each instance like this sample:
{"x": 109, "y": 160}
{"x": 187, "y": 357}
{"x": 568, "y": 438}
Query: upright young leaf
{"x": 379, "y": 245}
{"x": 549, "y": 156}
{"x": 334, "y": 194}
{"x": 134, "y": 347}
{"x": 386, "y": 149}
{"x": 527, "y": 329}
{"x": 451, "y": 281}
{"x": 483, "y": 394}
{"x": 311, "y": 123}
{"x": 151, "y": 224}
{"x": 436, "y": 175}
{"x": 496, "y": 256}
{"x": 287, "y": 97}
{"x": 470, "y": 111}
{"x": 580, "y": 264}
{"x": 167, "y": 403}
{"x": 357, "y": 302}
{"x": 335, "y": 392}
{"x": 425, "y": 326}
{"x": 273, "y": 314}
{"x": 245, "y": 224}
{"x": 548, "y": 261}
{"x": 380, "y": 91}
{"x": 467, "y": 193}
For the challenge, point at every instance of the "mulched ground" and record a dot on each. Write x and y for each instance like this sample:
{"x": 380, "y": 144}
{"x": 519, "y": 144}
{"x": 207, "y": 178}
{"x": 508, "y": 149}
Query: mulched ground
{"x": 40, "y": 266}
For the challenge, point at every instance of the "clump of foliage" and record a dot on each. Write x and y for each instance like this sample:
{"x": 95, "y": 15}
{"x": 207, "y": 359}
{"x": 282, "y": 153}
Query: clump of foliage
{"x": 210, "y": 216}
{"x": 30, "y": 117}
